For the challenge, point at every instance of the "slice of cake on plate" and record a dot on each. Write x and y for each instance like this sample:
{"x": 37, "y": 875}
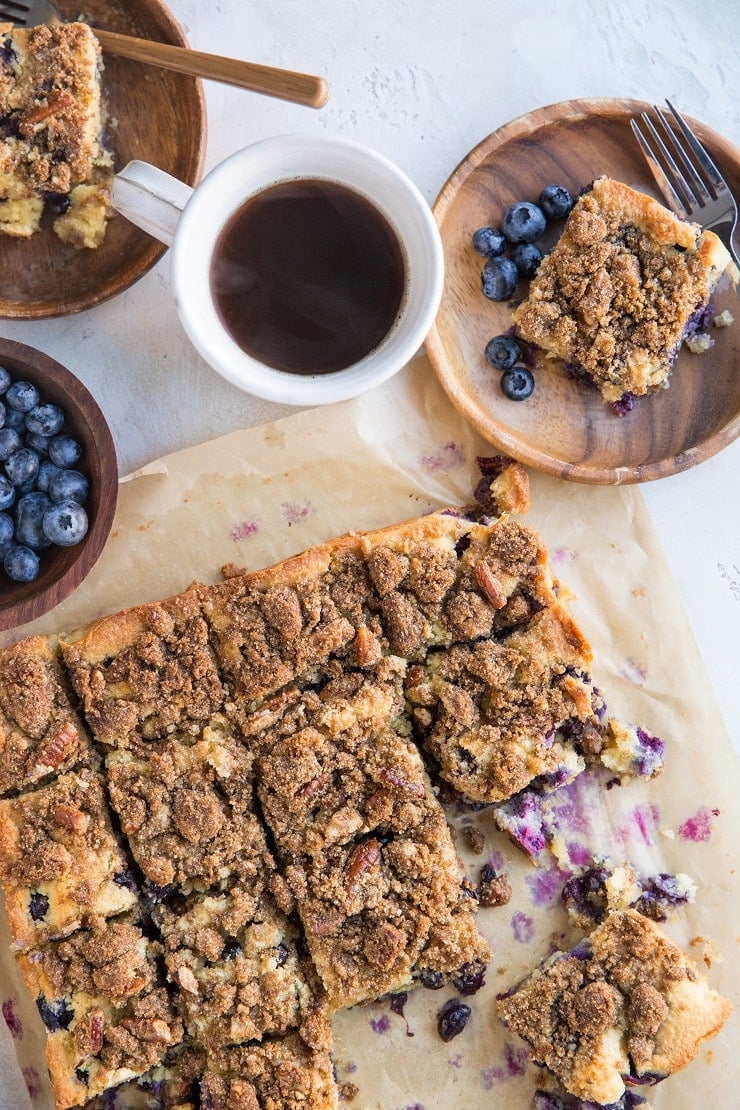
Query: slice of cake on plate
{"x": 626, "y": 284}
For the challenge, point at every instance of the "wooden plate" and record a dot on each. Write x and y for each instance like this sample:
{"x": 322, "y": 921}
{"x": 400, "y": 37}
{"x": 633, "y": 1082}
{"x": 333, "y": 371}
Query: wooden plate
{"x": 565, "y": 428}
{"x": 154, "y": 115}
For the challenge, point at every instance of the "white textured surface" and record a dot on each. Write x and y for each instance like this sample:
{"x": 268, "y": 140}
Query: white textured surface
{"x": 423, "y": 82}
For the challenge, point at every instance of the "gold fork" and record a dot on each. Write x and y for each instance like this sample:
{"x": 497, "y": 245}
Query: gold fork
{"x": 284, "y": 84}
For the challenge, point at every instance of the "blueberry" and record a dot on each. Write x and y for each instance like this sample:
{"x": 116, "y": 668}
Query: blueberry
{"x": 21, "y": 564}
{"x": 523, "y": 222}
{"x": 431, "y": 980}
{"x": 47, "y": 470}
{"x": 38, "y": 906}
{"x": 518, "y": 383}
{"x": 7, "y": 533}
{"x": 15, "y": 420}
{"x": 499, "y": 279}
{"x": 57, "y": 203}
{"x": 281, "y": 954}
{"x": 556, "y": 201}
{"x": 452, "y": 1019}
{"x": 502, "y": 351}
{"x": 22, "y": 396}
{"x": 127, "y": 880}
{"x": 470, "y": 978}
{"x": 3, "y": 411}
{"x": 5, "y": 380}
{"x": 22, "y": 466}
{"x": 69, "y": 485}
{"x": 45, "y": 419}
{"x": 64, "y": 451}
{"x": 7, "y": 492}
{"x": 526, "y": 257}
{"x": 56, "y": 1015}
{"x": 29, "y": 515}
{"x": 489, "y": 242}
{"x": 38, "y": 443}
{"x": 10, "y": 441}
{"x": 65, "y": 523}
{"x": 231, "y": 949}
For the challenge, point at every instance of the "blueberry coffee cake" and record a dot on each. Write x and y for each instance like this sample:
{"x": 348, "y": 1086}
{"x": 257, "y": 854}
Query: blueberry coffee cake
{"x": 625, "y": 285}
{"x": 224, "y": 815}
{"x": 625, "y": 1007}
{"x": 52, "y": 153}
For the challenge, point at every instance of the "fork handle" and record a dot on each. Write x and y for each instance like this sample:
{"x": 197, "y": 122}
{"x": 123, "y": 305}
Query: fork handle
{"x": 300, "y": 88}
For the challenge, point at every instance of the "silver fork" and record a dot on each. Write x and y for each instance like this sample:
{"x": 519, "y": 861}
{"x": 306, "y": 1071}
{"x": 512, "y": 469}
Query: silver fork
{"x": 686, "y": 175}
{"x": 284, "y": 84}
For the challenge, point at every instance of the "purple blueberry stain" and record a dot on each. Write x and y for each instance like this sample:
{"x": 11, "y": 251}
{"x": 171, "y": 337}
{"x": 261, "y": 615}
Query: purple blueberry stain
{"x": 380, "y": 1025}
{"x": 698, "y": 828}
{"x": 634, "y": 671}
{"x": 522, "y": 926}
{"x": 13, "y": 1022}
{"x": 33, "y": 1084}
{"x": 545, "y": 885}
{"x": 295, "y": 511}
{"x": 446, "y": 458}
{"x": 243, "y": 530}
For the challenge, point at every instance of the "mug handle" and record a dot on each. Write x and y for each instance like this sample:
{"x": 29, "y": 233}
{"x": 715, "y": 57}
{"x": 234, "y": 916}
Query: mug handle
{"x": 150, "y": 198}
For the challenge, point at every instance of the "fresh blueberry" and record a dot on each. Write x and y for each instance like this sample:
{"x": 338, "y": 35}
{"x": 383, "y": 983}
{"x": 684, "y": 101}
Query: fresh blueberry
{"x": 518, "y": 383}
{"x": 47, "y": 470}
{"x": 556, "y": 201}
{"x": 21, "y": 564}
{"x": 69, "y": 485}
{"x": 7, "y": 532}
{"x": 489, "y": 241}
{"x": 523, "y": 222}
{"x": 45, "y": 419}
{"x": 64, "y": 451}
{"x": 502, "y": 351}
{"x": 10, "y": 441}
{"x": 5, "y": 380}
{"x": 2, "y": 415}
{"x": 499, "y": 279}
{"x": 38, "y": 443}
{"x": 22, "y": 396}
{"x": 15, "y": 420}
{"x": 7, "y": 492}
{"x": 22, "y": 466}
{"x": 526, "y": 257}
{"x": 452, "y": 1019}
{"x": 29, "y": 516}
{"x": 65, "y": 523}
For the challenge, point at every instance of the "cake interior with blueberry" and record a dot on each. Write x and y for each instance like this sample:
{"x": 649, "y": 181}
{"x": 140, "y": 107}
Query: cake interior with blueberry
{"x": 626, "y": 284}
{"x": 52, "y": 154}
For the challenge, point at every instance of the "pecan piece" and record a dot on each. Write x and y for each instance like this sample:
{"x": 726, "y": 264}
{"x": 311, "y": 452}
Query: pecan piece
{"x": 58, "y": 747}
{"x": 395, "y": 778}
{"x": 88, "y": 1032}
{"x": 187, "y": 980}
{"x": 151, "y": 1030}
{"x": 56, "y": 103}
{"x": 367, "y": 647}
{"x": 315, "y": 786}
{"x": 69, "y": 817}
{"x": 490, "y": 585}
{"x": 361, "y": 859}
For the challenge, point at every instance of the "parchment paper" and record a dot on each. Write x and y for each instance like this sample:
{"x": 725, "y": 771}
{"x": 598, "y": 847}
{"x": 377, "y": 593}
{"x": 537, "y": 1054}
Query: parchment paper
{"x": 257, "y": 496}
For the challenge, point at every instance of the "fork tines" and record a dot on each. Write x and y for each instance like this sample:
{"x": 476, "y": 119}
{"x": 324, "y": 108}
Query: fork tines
{"x": 13, "y": 12}
{"x": 692, "y": 183}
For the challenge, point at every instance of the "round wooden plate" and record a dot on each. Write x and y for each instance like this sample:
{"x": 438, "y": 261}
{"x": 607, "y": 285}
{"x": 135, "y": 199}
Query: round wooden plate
{"x": 565, "y": 428}
{"x": 154, "y": 115}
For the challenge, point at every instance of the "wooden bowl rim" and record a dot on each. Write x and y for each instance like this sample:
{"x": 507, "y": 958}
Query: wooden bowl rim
{"x": 528, "y": 454}
{"x": 40, "y": 368}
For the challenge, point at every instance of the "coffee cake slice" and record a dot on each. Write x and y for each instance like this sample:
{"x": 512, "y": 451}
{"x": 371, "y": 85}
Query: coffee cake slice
{"x": 187, "y": 811}
{"x": 41, "y": 732}
{"x": 60, "y": 863}
{"x": 107, "y": 1013}
{"x": 624, "y": 1007}
{"x": 234, "y": 960}
{"x": 623, "y": 287}
{"x": 51, "y": 128}
{"x": 281, "y": 1074}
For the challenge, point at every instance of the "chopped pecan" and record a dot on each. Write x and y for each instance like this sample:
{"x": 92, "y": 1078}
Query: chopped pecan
{"x": 69, "y": 817}
{"x": 313, "y": 787}
{"x": 187, "y": 980}
{"x": 490, "y": 585}
{"x": 327, "y": 924}
{"x": 57, "y": 103}
{"x": 395, "y": 778}
{"x": 367, "y": 647}
{"x": 361, "y": 859}
{"x": 151, "y": 1030}
{"x": 58, "y": 747}
{"x": 88, "y": 1033}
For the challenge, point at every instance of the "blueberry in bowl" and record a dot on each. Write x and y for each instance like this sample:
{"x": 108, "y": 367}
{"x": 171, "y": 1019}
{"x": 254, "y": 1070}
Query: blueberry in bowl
{"x": 58, "y": 483}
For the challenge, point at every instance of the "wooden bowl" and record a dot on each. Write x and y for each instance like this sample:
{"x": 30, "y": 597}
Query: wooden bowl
{"x": 63, "y": 568}
{"x": 565, "y": 428}
{"x": 154, "y": 115}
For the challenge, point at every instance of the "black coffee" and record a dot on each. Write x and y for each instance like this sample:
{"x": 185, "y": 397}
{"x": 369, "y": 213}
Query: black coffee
{"x": 308, "y": 276}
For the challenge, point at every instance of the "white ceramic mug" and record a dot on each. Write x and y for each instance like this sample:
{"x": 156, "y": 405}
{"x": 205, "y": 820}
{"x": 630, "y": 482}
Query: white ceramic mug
{"x": 191, "y": 221}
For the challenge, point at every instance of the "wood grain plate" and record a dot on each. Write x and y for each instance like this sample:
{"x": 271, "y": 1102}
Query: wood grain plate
{"x": 565, "y": 428}
{"x": 154, "y": 115}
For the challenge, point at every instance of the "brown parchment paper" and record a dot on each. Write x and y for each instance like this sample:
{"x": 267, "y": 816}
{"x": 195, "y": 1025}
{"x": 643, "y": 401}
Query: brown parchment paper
{"x": 257, "y": 496}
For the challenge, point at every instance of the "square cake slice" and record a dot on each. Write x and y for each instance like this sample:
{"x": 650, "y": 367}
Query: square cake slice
{"x": 623, "y": 287}
{"x": 283, "y": 1073}
{"x": 41, "y": 732}
{"x": 60, "y": 863}
{"x": 233, "y": 959}
{"x": 106, "y": 1011}
{"x": 625, "y": 1007}
{"x": 51, "y": 124}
